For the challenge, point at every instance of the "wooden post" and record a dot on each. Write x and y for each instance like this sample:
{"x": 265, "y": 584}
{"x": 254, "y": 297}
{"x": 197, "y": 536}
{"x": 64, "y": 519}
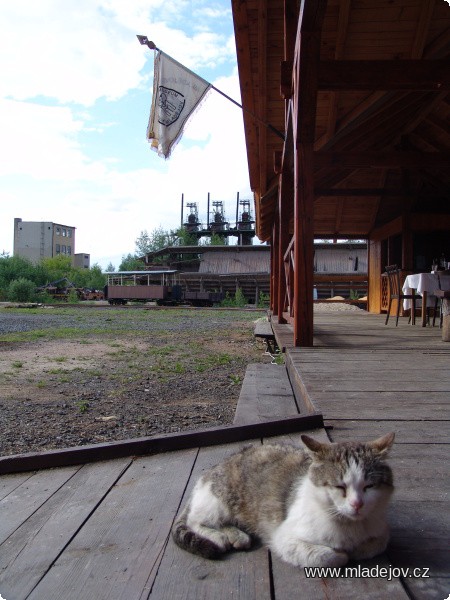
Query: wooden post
{"x": 304, "y": 106}
{"x": 446, "y": 320}
{"x": 304, "y": 246}
{"x": 274, "y": 270}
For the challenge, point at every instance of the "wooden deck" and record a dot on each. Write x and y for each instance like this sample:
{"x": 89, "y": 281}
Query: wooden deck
{"x": 101, "y": 530}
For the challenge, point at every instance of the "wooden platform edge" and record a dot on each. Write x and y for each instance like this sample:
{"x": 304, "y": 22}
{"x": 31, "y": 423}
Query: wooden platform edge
{"x": 225, "y": 434}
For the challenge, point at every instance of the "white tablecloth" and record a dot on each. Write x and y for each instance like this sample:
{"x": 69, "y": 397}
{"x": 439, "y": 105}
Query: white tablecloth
{"x": 425, "y": 282}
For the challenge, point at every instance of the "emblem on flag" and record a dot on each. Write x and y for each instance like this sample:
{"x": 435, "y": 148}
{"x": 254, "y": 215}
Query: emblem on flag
{"x": 171, "y": 104}
{"x": 177, "y": 93}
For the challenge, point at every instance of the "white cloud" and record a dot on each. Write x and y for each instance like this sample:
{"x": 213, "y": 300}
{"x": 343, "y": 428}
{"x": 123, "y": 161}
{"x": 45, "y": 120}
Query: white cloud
{"x": 57, "y": 60}
{"x": 80, "y": 51}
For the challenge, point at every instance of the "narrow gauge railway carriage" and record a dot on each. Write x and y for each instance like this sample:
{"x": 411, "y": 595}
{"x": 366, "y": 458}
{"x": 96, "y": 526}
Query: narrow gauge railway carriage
{"x": 161, "y": 287}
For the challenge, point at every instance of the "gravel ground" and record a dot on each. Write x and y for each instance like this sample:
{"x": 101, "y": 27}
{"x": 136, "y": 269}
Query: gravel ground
{"x": 76, "y": 376}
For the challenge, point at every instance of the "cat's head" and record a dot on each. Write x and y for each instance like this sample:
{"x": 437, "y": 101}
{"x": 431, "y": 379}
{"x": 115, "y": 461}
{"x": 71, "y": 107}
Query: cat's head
{"x": 351, "y": 478}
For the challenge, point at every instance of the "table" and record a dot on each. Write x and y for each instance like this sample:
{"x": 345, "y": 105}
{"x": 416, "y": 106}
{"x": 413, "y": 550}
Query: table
{"x": 425, "y": 284}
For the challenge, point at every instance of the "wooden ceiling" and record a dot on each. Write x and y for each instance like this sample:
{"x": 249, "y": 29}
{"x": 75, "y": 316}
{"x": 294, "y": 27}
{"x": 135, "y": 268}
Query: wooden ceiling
{"x": 382, "y": 108}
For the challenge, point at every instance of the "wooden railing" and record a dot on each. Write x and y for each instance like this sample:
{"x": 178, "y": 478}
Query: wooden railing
{"x": 289, "y": 268}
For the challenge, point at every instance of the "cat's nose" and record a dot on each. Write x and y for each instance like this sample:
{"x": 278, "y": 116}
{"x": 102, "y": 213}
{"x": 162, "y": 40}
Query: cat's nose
{"x": 356, "y": 504}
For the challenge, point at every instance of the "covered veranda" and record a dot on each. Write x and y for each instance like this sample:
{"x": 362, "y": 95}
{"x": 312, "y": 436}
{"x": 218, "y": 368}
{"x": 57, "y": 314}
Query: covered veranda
{"x": 346, "y": 113}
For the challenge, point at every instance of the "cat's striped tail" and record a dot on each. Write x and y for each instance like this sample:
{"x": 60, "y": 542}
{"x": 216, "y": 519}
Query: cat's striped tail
{"x": 187, "y": 539}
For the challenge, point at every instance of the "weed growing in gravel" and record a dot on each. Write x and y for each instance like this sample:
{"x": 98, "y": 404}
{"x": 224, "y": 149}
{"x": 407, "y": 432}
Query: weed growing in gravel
{"x": 17, "y": 364}
{"x": 83, "y": 406}
{"x": 236, "y": 379}
{"x": 41, "y": 384}
{"x": 212, "y": 360}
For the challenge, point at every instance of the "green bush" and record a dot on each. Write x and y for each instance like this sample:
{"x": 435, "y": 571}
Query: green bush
{"x": 21, "y": 290}
{"x": 263, "y": 300}
{"x": 238, "y": 301}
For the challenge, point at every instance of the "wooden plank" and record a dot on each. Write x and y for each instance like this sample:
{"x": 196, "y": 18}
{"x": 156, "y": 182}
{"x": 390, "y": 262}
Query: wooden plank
{"x": 9, "y": 483}
{"x": 117, "y": 553}
{"x": 24, "y": 500}
{"x": 184, "y": 576}
{"x": 291, "y": 582}
{"x": 263, "y": 329}
{"x": 400, "y": 406}
{"x": 424, "y": 551}
{"x": 348, "y": 370}
{"x": 413, "y": 432}
{"x": 30, "y": 551}
{"x": 424, "y": 589}
{"x": 421, "y": 472}
{"x": 157, "y": 444}
{"x": 315, "y": 384}
{"x": 266, "y": 394}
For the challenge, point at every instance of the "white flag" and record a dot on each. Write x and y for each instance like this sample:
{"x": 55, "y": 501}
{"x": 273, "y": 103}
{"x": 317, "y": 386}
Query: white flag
{"x": 177, "y": 92}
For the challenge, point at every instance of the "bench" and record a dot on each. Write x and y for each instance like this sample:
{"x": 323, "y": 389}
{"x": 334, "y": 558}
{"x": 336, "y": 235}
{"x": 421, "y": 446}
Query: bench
{"x": 263, "y": 330}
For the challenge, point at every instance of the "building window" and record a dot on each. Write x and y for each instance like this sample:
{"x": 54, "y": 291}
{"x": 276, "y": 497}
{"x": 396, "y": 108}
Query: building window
{"x": 63, "y": 249}
{"x": 58, "y": 249}
{"x": 58, "y": 231}
{"x": 69, "y": 250}
{"x": 64, "y": 232}
{"x": 69, "y": 233}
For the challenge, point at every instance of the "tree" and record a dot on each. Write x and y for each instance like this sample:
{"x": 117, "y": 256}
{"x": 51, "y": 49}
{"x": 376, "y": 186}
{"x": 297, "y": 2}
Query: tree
{"x": 21, "y": 290}
{"x": 185, "y": 238}
{"x": 57, "y": 267}
{"x": 110, "y": 268}
{"x": 16, "y": 267}
{"x": 143, "y": 244}
{"x": 156, "y": 240}
{"x": 131, "y": 263}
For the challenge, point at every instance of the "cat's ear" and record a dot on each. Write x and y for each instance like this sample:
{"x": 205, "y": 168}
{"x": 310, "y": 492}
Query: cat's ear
{"x": 314, "y": 445}
{"x": 383, "y": 444}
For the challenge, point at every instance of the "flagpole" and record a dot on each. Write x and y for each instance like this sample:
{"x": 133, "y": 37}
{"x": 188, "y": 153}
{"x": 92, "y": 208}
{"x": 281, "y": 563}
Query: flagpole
{"x": 144, "y": 41}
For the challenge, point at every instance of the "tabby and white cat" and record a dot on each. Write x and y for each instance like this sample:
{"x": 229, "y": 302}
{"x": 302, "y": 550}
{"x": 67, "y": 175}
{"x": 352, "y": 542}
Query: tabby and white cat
{"x": 316, "y": 507}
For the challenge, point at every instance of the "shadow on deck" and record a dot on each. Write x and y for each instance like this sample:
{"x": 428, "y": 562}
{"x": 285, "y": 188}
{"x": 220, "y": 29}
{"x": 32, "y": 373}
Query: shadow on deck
{"x": 101, "y": 529}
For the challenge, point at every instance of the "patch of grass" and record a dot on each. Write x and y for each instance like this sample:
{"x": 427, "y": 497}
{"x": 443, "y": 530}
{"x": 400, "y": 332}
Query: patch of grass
{"x": 17, "y": 364}
{"x": 83, "y": 406}
{"x": 41, "y": 384}
{"x": 58, "y": 371}
{"x": 212, "y": 360}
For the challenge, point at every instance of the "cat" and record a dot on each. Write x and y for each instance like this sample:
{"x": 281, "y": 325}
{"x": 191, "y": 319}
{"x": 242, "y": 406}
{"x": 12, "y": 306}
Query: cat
{"x": 320, "y": 506}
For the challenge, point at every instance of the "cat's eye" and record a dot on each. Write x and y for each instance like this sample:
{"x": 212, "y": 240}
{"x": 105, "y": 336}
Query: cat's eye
{"x": 367, "y": 487}
{"x": 343, "y": 488}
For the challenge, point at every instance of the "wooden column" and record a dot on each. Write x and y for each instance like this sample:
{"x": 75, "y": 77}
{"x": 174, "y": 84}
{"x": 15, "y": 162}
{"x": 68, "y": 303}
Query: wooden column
{"x": 275, "y": 274}
{"x": 304, "y": 246}
{"x": 305, "y": 86}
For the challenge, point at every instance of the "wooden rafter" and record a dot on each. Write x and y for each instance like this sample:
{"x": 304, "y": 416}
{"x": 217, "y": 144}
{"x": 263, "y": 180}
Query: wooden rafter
{"x": 427, "y": 75}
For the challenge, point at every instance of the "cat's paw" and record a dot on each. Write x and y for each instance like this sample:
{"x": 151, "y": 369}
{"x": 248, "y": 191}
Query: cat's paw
{"x": 370, "y": 548}
{"x": 238, "y": 539}
{"x": 333, "y": 558}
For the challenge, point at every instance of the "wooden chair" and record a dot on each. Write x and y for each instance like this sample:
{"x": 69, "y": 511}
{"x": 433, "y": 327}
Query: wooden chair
{"x": 395, "y": 293}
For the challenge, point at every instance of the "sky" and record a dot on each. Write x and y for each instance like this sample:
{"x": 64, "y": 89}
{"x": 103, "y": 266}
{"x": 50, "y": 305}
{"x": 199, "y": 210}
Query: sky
{"x": 75, "y": 97}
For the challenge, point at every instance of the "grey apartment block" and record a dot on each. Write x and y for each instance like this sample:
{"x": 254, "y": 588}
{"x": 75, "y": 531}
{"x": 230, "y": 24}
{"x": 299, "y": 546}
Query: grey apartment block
{"x": 42, "y": 239}
{"x": 82, "y": 260}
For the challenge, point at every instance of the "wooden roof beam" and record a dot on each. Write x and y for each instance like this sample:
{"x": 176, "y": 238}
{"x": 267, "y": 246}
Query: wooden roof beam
{"x": 358, "y": 192}
{"x": 411, "y": 75}
{"x": 382, "y": 159}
